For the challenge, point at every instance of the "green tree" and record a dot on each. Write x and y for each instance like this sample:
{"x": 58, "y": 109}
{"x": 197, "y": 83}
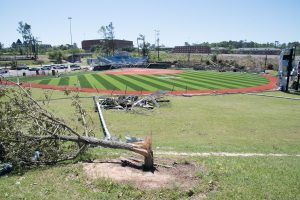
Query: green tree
{"x": 29, "y": 41}
{"x": 108, "y": 34}
{"x": 25, "y": 30}
{"x": 144, "y": 45}
{"x": 1, "y": 48}
{"x": 57, "y": 56}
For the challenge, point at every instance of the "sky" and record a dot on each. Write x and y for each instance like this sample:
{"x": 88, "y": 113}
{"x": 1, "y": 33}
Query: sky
{"x": 178, "y": 21}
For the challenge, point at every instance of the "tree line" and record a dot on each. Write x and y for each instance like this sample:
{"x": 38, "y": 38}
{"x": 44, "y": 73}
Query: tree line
{"x": 244, "y": 44}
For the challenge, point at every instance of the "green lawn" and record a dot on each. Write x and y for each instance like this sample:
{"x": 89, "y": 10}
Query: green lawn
{"x": 231, "y": 123}
{"x": 191, "y": 80}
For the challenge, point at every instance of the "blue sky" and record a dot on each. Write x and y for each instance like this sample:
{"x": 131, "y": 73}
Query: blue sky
{"x": 179, "y": 21}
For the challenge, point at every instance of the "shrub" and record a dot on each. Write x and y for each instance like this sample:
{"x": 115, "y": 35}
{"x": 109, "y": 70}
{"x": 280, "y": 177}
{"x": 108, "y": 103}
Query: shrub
{"x": 270, "y": 67}
{"x": 214, "y": 57}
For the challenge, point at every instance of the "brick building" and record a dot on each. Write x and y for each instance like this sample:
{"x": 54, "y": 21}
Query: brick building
{"x": 191, "y": 49}
{"x": 118, "y": 44}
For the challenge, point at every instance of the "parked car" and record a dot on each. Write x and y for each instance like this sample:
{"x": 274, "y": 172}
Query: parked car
{"x": 34, "y": 69}
{"x": 55, "y": 66}
{"x": 46, "y": 68}
{"x": 63, "y": 66}
{"x": 20, "y": 67}
{"x": 3, "y": 71}
{"x": 75, "y": 67}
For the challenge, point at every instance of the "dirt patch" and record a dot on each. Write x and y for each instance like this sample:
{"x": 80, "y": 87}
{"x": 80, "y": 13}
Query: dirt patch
{"x": 181, "y": 175}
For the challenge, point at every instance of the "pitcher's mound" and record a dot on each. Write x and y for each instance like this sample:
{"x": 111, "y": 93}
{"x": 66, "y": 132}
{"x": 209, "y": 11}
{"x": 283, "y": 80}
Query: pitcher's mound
{"x": 142, "y": 71}
{"x": 182, "y": 175}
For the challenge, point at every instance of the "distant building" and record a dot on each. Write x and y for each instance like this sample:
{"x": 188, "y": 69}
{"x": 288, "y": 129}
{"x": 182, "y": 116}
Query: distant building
{"x": 258, "y": 51}
{"x": 165, "y": 48}
{"x": 118, "y": 44}
{"x": 46, "y": 46}
{"x": 191, "y": 49}
{"x": 76, "y": 57}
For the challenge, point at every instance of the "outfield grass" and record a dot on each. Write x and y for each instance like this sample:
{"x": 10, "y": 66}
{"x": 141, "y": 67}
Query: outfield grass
{"x": 189, "y": 80}
{"x": 231, "y": 123}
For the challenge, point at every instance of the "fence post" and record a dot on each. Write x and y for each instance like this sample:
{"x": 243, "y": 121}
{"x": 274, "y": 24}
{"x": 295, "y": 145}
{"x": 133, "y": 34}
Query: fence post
{"x": 172, "y": 89}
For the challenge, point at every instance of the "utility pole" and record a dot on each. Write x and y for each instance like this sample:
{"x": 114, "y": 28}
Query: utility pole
{"x": 70, "y": 18}
{"x": 157, "y": 41}
{"x": 298, "y": 69}
{"x": 189, "y": 53}
{"x": 137, "y": 43}
{"x": 266, "y": 58}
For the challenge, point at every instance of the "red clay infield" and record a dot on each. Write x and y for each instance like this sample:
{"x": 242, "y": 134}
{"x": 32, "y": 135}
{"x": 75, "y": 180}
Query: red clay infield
{"x": 142, "y": 71}
{"x": 269, "y": 86}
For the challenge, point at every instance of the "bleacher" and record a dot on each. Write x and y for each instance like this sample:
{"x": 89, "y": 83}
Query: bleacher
{"x": 120, "y": 61}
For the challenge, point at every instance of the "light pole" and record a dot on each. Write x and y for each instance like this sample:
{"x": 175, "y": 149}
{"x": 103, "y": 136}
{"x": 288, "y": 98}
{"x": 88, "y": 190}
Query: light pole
{"x": 70, "y": 18}
{"x": 157, "y": 41}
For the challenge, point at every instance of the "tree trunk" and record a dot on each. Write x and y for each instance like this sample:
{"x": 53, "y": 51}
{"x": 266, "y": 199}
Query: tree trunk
{"x": 149, "y": 162}
{"x": 143, "y": 148}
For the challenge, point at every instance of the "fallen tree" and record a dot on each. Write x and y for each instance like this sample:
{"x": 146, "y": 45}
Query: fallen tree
{"x": 31, "y": 134}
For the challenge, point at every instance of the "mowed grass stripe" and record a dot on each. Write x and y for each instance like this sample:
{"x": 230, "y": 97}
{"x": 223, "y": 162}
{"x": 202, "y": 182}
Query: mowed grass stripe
{"x": 169, "y": 84}
{"x": 103, "y": 81}
{"x": 116, "y": 83}
{"x": 246, "y": 76}
{"x": 94, "y": 82}
{"x": 241, "y": 78}
{"x": 142, "y": 84}
{"x": 54, "y": 81}
{"x": 200, "y": 85}
{"x": 84, "y": 82}
{"x": 225, "y": 83}
{"x": 128, "y": 84}
{"x": 73, "y": 81}
{"x": 172, "y": 83}
{"x": 215, "y": 82}
{"x": 64, "y": 81}
{"x": 231, "y": 81}
{"x": 228, "y": 77}
{"x": 155, "y": 85}
{"x": 45, "y": 81}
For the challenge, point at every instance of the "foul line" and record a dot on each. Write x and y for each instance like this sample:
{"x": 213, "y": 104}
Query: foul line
{"x": 279, "y": 97}
{"x": 226, "y": 154}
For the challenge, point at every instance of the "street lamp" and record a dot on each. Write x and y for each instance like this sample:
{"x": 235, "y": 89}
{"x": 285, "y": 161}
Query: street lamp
{"x": 157, "y": 41}
{"x": 70, "y": 18}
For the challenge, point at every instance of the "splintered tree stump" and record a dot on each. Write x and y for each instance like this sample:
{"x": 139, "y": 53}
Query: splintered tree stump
{"x": 144, "y": 148}
{"x": 149, "y": 162}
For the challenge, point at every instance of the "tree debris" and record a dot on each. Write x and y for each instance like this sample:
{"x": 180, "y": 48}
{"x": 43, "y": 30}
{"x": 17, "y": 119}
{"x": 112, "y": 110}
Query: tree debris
{"x": 27, "y": 127}
{"x": 131, "y": 101}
